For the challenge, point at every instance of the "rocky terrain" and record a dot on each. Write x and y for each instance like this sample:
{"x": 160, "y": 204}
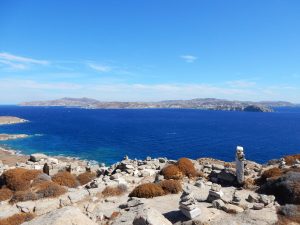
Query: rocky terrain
{"x": 199, "y": 103}
{"x": 57, "y": 190}
{"x": 4, "y": 120}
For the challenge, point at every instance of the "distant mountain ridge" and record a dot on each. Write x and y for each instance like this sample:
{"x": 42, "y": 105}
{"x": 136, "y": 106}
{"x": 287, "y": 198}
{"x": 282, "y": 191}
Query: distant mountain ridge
{"x": 197, "y": 103}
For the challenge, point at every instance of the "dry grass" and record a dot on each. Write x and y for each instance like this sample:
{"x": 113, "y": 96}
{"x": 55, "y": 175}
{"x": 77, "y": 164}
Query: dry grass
{"x": 186, "y": 166}
{"x": 171, "y": 186}
{"x": 114, "y": 215}
{"x": 171, "y": 172}
{"x": 249, "y": 183}
{"x": 271, "y": 173}
{"x": 290, "y": 159}
{"x": 22, "y": 196}
{"x": 148, "y": 190}
{"x": 5, "y": 194}
{"x": 17, "y": 219}
{"x": 86, "y": 177}
{"x": 48, "y": 189}
{"x": 19, "y": 179}
{"x": 65, "y": 179}
{"x": 114, "y": 191}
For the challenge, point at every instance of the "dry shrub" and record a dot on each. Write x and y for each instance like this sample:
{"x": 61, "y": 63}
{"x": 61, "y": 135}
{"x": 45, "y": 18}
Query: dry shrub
{"x": 48, "y": 189}
{"x": 114, "y": 215}
{"x": 65, "y": 179}
{"x": 19, "y": 179}
{"x": 271, "y": 173}
{"x": 187, "y": 167}
{"x": 114, "y": 191}
{"x": 290, "y": 159}
{"x": 171, "y": 186}
{"x": 249, "y": 183}
{"x": 148, "y": 190}
{"x": 5, "y": 194}
{"x": 86, "y": 177}
{"x": 22, "y": 196}
{"x": 17, "y": 219}
{"x": 171, "y": 172}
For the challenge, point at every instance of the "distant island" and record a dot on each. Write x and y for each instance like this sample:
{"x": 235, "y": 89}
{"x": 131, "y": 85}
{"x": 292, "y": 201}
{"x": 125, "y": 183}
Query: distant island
{"x": 198, "y": 103}
{"x": 4, "y": 120}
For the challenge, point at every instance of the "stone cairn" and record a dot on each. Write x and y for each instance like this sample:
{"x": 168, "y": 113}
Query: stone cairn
{"x": 187, "y": 204}
{"x": 46, "y": 169}
{"x": 239, "y": 161}
{"x": 282, "y": 163}
{"x": 215, "y": 192}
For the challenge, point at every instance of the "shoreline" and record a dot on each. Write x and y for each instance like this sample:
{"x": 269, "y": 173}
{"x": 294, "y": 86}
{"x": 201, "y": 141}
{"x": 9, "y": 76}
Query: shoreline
{"x": 7, "y": 120}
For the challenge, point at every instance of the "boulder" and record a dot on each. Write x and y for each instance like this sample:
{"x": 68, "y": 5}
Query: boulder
{"x": 150, "y": 216}
{"x": 258, "y": 206}
{"x": 64, "y": 216}
{"x": 284, "y": 188}
{"x": 36, "y": 157}
{"x": 230, "y": 208}
{"x": 218, "y": 204}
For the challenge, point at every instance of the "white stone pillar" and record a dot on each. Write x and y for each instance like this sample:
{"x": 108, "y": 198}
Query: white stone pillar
{"x": 239, "y": 160}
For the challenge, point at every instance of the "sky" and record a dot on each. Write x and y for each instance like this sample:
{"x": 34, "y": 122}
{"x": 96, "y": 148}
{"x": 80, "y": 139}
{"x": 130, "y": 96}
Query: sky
{"x": 133, "y": 50}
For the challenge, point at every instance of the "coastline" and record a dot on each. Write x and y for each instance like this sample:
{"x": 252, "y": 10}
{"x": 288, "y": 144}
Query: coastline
{"x": 7, "y": 120}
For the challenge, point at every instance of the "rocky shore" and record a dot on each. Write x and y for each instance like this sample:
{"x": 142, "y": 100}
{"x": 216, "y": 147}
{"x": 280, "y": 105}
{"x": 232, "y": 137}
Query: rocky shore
{"x": 40, "y": 189}
{"x": 5, "y": 120}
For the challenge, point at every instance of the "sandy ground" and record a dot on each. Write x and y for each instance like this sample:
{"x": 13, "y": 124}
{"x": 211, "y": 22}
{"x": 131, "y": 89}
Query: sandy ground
{"x": 11, "y": 159}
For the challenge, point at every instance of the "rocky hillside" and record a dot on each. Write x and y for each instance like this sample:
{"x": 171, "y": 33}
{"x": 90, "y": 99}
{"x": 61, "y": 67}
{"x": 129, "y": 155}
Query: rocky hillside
{"x": 206, "y": 104}
{"x": 152, "y": 191}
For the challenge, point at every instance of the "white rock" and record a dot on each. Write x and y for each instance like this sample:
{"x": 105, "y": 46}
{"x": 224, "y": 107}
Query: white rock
{"x": 150, "y": 216}
{"x": 64, "y": 216}
{"x": 148, "y": 172}
{"x": 26, "y": 207}
{"x": 230, "y": 208}
{"x": 79, "y": 195}
{"x": 37, "y": 157}
{"x": 46, "y": 205}
{"x": 8, "y": 210}
{"x": 191, "y": 214}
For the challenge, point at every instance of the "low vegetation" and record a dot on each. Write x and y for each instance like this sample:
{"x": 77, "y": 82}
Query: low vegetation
{"x": 114, "y": 191}
{"x": 291, "y": 159}
{"x": 17, "y": 219}
{"x": 171, "y": 186}
{"x": 48, "y": 189}
{"x": 19, "y": 179}
{"x": 186, "y": 166}
{"x": 86, "y": 177}
{"x": 148, "y": 190}
{"x": 172, "y": 172}
{"x": 5, "y": 194}
{"x": 65, "y": 179}
{"x": 271, "y": 173}
{"x": 22, "y": 196}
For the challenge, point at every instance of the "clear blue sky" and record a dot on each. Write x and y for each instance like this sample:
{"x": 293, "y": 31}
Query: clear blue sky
{"x": 149, "y": 50}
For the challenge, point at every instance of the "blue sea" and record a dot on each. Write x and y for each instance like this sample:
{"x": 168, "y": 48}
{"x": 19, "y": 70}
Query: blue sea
{"x": 108, "y": 135}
